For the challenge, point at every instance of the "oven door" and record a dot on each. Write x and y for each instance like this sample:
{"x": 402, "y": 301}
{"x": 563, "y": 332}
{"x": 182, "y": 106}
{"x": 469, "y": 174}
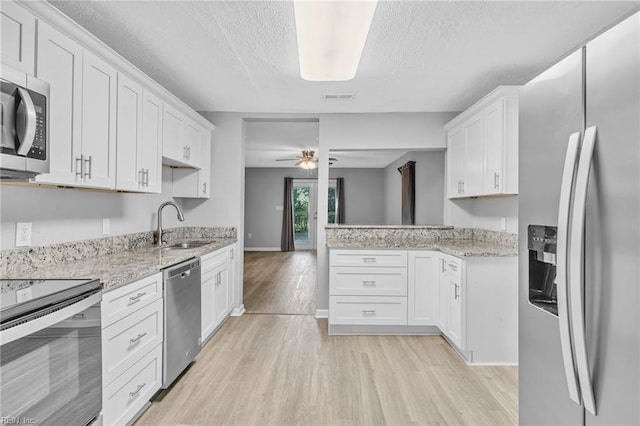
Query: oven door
{"x": 51, "y": 367}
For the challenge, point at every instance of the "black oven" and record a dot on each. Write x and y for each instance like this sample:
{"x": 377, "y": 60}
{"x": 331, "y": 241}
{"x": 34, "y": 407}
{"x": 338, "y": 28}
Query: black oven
{"x": 50, "y": 353}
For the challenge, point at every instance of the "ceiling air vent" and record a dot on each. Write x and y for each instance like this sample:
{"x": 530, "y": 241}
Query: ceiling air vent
{"x": 338, "y": 96}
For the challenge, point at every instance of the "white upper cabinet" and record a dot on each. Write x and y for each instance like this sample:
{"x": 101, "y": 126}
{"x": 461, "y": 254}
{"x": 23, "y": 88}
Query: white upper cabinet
{"x": 129, "y": 175}
{"x": 150, "y": 150}
{"x": 60, "y": 64}
{"x": 181, "y": 139}
{"x": 98, "y": 122}
{"x": 18, "y": 31}
{"x": 190, "y": 183}
{"x": 482, "y": 147}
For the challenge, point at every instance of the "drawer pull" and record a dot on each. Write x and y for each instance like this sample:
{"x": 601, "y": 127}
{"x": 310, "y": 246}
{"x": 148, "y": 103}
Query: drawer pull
{"x": 453, "y": 266}
{"x": 368, "y": 312}
{"x": 369, "y": 283}
{"x": 137, "y": 338}
{"x": 136, "y": 298}
{"x": 369, "y": 259}
{"x": 138, "y": 389}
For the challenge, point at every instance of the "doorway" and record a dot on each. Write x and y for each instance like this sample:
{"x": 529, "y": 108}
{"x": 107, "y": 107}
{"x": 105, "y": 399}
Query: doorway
{"x": 305, "y": 211}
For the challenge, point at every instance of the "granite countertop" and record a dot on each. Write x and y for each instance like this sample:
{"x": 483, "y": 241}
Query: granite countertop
{"x": 460, "y": 248}
{"x": 122, "y": 267}
{"x": 343, "y": 226}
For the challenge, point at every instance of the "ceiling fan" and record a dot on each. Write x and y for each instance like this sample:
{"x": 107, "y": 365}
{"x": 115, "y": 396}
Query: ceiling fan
{"x": 307, "y": 160}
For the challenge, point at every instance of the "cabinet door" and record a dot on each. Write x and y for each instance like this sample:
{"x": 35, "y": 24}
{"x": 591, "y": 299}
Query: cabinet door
{"x": 494, "y": 148}
{"x": 443, "y": 296}
{"x": 99, "y": 122}
{"x": 192, "y": 143}
{"x": 208, "y": 324}
{"x": 455, "y": 162}
{"x": 204, "y": 174}
{"x": 473, "y": 170}
{"x": 18, "y": 30}
{"x": 222, "y": 294}
{"x": 60, "y": 64}
{"x": 129, "y": 175}
{"x": 424, "y": 277}
{"x": 150, "y": 152}
{"x": 455, "y": 311}
{"x": 172, "y": 134}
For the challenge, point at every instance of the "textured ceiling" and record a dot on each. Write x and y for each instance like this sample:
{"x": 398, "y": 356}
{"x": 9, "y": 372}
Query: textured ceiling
{"x": 420, "y": 56}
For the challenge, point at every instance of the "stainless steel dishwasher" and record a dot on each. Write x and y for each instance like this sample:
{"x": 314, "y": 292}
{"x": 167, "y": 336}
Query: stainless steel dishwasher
{"x": 181, "y": 318}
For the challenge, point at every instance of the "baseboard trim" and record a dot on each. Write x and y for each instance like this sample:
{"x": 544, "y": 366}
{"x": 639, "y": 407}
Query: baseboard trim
{"x": 262, "y": 249}
{"x": 237, "y": 312}
{"x": 383, "y": 330}
{"x": 322, "y": 313}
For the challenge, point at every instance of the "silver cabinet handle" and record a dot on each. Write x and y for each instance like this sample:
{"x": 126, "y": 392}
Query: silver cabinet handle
{"x": 368, "y": 312}
{"x": 79, "y": 166}
{"x": 564, "y": 207}
{"x": 456, "y": 295}
{"x": 204, "y": 188}
{"x": 189, "y": 152}
{"x": 496, "y": 181}
{"x": 576, "y": 270}
{"x": 138, "y": 389}
{"x": 369, "y": 283}
{"x": 136, "y": 298}
{"x": 137, "y": 338}
{"x": 145, "y": 177}
{"x": 184, "y": 152}
{"x": 453, "y": 267}
{"x": 369, "y": 259}
{"x": 444, "y": 263}
{"x": 88, "y": 161}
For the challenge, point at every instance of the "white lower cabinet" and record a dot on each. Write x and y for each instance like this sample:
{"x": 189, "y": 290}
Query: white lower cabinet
{"x": 132, "y": 336}
{"x": 473, "y": 302}
{"x": 216, "y": 286}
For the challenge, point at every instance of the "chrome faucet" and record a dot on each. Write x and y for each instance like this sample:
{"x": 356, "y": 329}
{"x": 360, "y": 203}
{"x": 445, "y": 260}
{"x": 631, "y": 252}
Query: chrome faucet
{"x": 159, "y": 229}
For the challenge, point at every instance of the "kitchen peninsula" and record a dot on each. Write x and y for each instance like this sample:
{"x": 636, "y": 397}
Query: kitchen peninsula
{"x": 427, "y": 279}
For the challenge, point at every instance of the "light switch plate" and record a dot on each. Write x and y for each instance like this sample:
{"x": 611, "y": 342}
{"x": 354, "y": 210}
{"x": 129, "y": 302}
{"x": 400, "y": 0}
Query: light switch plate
{"x": 279, "y": 208}
{"x": 503, "y": 223}
{"x": 23, "y": 234}
{"x": 106, "y": 226}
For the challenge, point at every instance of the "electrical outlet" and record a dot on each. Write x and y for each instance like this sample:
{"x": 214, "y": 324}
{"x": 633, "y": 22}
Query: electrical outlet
{"x": 106, "y": 226}
{"x": 23, "y": 234}
{"x": 503, "y": 223}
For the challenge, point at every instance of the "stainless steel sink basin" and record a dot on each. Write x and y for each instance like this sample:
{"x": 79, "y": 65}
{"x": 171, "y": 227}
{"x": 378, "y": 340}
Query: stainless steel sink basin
{"x": 189, "y": 244}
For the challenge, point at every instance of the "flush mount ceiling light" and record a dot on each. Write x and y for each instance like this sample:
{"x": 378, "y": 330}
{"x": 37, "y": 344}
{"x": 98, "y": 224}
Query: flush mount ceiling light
{"x": 331, "y": 36}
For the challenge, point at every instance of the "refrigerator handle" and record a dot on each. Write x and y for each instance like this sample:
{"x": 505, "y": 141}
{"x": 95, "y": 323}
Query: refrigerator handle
{"x": 564, "y": 212}
{"x": 576, "y": 271}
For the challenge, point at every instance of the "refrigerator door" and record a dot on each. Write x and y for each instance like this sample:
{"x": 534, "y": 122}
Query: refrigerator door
{"x": 551, "y": 110}
{"x": 612, "y": 246}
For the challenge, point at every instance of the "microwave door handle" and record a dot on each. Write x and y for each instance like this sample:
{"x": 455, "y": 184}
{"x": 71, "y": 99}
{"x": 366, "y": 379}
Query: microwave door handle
{"x": 576, "y": 269}
{"x": 25, "y": 122}
{"x": 564, "y": 212}
{"x": 19, "y": 331}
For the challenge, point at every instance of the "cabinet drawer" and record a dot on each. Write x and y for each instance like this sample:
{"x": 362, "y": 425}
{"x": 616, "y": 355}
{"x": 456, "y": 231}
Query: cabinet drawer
{"x": 375, "y": 258}
{"x": 127, "y": 340}
{"x": 213, "y": 259}
{"x": 122, "y": 399}
{"x": 375, "y": 310}
{"x": 123, "y": 301}
{"x": 454, "y": 266}
{"x": 368, "y": 281}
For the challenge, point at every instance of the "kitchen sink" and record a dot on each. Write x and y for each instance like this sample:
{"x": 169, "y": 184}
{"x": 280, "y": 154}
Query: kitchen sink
{"x": 189, "y": 244}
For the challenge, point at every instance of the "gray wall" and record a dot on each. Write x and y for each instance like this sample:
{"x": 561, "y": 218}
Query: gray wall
{"x": 429, "y": 188}
{"x": 364, "y": 200}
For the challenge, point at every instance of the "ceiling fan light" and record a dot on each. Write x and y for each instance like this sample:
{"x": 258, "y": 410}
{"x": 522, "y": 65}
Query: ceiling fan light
{"x": 308, "y": 165}
{"x": 331, "y": 36}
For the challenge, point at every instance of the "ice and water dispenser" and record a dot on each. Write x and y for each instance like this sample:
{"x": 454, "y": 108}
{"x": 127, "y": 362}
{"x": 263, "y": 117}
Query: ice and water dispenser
{"x": 542, "y": 267}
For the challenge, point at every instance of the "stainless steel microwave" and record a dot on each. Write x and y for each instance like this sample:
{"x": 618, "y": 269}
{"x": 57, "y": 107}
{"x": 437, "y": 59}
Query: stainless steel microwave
{"x": 24, "y": 112}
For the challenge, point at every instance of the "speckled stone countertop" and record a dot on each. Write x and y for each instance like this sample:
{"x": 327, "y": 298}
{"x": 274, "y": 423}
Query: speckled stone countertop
{"x": 333, "y": 226}
{"x": 461, "y": 242}
{"x": 114, "y": 267}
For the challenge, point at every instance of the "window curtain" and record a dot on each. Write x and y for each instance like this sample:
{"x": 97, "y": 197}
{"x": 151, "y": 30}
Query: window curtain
{"x": 340, "y": 214}
{"x": 286, "y": 242}
{"x": 408, "y": 172}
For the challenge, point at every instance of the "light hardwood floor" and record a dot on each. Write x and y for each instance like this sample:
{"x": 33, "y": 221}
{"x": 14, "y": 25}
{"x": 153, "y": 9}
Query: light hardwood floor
{"x": 279, "y": 282}
{"x": 286, "y": 370}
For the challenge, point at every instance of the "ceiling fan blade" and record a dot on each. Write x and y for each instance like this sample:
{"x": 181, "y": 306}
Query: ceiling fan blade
{"x": 299, "y": 162}
{"x": 333, "y": 159}
{"x": 287, "y": 159}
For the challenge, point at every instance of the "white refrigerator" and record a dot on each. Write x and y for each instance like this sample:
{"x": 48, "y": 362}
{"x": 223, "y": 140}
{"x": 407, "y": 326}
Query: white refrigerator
{"x": 579, "y": 219}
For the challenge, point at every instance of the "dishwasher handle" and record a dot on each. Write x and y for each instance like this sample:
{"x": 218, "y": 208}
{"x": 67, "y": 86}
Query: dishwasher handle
{"x": 182, "y": 270}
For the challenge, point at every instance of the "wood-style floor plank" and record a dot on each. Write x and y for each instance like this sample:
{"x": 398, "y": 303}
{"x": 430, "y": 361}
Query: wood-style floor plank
{"x": 280, "y": 282}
